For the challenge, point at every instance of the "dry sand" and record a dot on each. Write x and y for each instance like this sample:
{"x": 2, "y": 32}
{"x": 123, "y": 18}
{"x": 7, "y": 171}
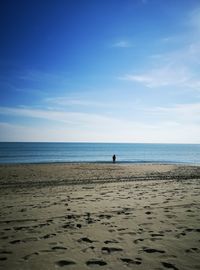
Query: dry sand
{"x": 99, "y": 216}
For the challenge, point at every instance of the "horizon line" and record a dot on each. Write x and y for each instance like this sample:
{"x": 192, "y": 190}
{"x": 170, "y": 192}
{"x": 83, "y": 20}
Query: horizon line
{"x": 99, "y": 142}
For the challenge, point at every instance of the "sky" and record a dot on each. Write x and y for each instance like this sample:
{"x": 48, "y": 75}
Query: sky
{"x": 100, "y": 71}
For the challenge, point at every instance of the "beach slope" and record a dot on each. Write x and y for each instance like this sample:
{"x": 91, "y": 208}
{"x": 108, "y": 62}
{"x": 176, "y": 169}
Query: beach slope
{"x": 99, "y": 216}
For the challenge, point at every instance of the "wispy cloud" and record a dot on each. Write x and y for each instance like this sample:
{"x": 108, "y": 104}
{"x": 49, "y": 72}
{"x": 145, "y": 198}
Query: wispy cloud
{"x": 65, "y": 101}
{"x": 122, "y": 44}
{"x": 175, "y": 67}
{"x": 194, "y": 19}
{"x": 164, "y": 76}
{"x": 188, "y": 113}
{"x": 179, "y": 123}
{"x": 79, "y": 102}
{"x": 72, "y": 126}
{"x": 74, "y": 118}
{"x": 34, "y": 82}
{"x": 144, "y": 1}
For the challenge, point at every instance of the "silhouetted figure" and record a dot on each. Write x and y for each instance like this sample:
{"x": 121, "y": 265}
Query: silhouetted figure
{"x": 114, "y": 158}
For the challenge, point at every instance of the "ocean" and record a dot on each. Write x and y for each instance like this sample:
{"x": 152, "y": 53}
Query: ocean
{"x": 18, "y": 152}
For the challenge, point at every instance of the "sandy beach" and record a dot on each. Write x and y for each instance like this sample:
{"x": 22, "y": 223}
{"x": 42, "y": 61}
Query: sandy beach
{"x": 99, "y": 216}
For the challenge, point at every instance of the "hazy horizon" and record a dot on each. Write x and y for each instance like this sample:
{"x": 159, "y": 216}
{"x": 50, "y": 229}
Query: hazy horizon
{"x": 87, "y": 142}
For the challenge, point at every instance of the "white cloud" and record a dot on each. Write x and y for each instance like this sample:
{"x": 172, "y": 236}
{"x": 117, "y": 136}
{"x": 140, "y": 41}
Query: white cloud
{"x": 70, "y": 126}
{"x": 178, "y": 124}
{"x": 166, "y": 132}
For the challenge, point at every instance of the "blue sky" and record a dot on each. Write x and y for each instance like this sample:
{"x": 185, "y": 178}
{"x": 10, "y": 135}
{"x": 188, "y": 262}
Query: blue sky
{"x": 100, "y": 71}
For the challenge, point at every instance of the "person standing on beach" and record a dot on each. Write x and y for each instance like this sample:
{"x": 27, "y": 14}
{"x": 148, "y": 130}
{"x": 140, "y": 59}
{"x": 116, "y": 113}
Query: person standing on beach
{"x": 114, "y": 158}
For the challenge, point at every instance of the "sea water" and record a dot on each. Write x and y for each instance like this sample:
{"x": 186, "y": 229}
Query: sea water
{"x": 19, "y": 152}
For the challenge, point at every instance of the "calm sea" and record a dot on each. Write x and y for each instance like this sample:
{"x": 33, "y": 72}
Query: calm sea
{"x": 98, "y": 152}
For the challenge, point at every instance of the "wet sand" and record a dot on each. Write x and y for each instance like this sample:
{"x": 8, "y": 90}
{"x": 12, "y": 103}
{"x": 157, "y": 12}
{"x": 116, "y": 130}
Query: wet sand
{"x": 99, "y": 216}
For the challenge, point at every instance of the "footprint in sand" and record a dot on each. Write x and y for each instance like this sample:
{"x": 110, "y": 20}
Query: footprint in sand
{"x": 111, "y": 241}
{"x": 153, "y": 250}
{"x": 191, "y": 250}
{"x": 157, "y": 234}
{"x": 105, "y": 216}
{"x": 108, "y": 250}
{"x": 58, "y": 248}
{"x": 5, "y": 252}
{"x": 48, "y": 236}
{"x": 130, "y": 261}
{"x": 94, "y": 262}
{"x": 30, "y": 255}
{"x": 15, "y": 242}
{"x": 138, "y": 240}
{"x": 85, "y": 239}
{"x": 169, "y": 266}
{"x": 62, "y": 263}
{"x": 3, "y": 258}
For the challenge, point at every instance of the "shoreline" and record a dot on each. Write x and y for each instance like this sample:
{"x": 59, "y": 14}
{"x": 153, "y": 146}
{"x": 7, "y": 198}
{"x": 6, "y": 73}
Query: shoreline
{"x": 56, "y": 174}
{"x": 104, "y": 163}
